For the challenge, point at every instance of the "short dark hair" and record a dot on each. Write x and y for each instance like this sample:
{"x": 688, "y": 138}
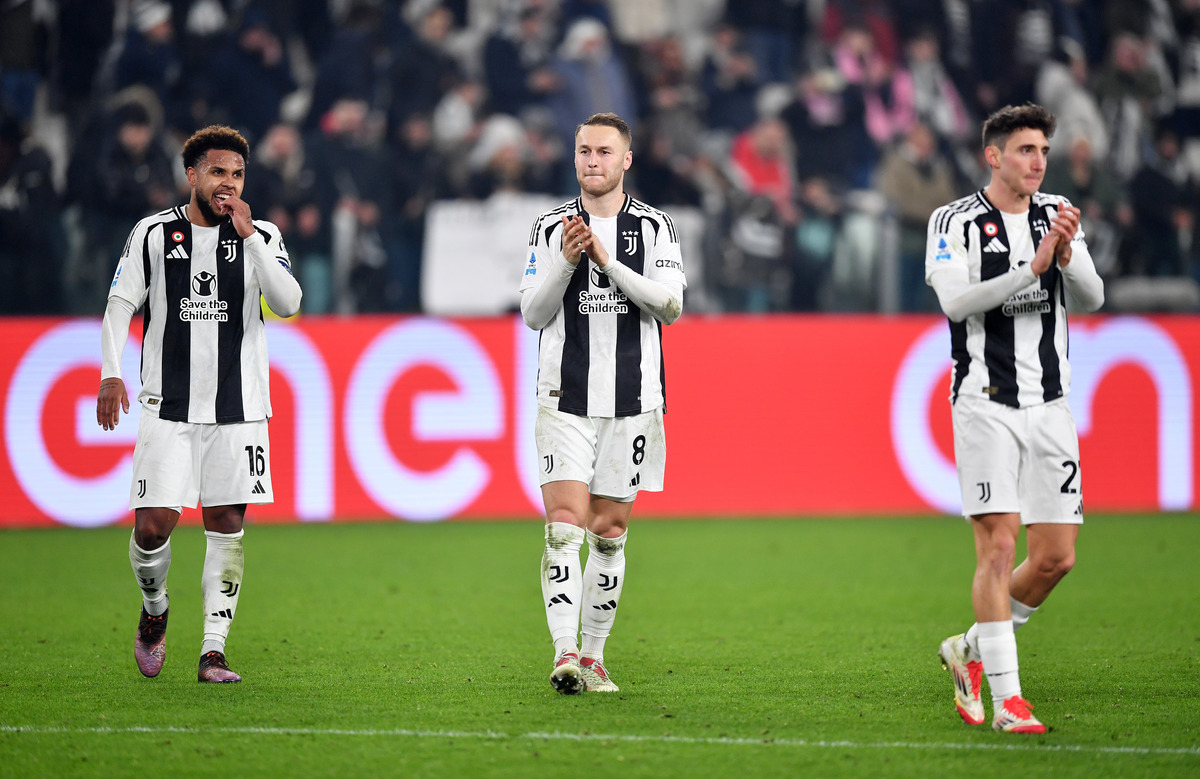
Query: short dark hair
{"x": 1011, "y": 118}
{"x": 607, "y": 120}
{"x": 215, "y": 136}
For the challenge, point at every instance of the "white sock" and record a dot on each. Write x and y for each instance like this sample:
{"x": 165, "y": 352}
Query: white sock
{"x": 562, "y": 584}
{"x": 998, "y": 649}
{"x": 603, "y": 579}
{"x": 150, "y": 568}
{"x": 1020, "y": 613}
{"x": 220, "y": 586}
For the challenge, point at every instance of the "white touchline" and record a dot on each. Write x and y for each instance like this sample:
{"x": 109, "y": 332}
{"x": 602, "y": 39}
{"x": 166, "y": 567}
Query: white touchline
{"x": 602, "y": 737}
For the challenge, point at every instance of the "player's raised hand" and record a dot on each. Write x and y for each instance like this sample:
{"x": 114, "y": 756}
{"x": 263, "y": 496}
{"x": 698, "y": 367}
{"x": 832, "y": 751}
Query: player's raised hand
{"x": 238, "y": 211}
{"x": 110, "y": 401}
{"x": 574, "y": 230}
{"x": 1065, "y": 224}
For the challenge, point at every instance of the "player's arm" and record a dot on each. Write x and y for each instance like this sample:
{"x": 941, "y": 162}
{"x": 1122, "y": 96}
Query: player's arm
{"x": 661, "y": 298}
{"x": 1075, "y": 261}
{"x": 946, "y": 271}
{"x": 114, "y": 332}
{"x": 273, "y": 270}
{"x": 127, "y": 293}
{"x": 548, "y": 273}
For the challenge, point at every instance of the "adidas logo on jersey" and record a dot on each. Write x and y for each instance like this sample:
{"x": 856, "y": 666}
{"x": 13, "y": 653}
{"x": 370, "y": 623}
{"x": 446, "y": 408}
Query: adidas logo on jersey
{"x": 258, "y": 489}
{"x": 178, "y": 253}
{"x": 994, "y": 246}
{"x": 226, "y": 613}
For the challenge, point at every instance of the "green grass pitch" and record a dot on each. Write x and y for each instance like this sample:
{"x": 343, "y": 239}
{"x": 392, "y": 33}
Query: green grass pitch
{"x": 751, "y": 648}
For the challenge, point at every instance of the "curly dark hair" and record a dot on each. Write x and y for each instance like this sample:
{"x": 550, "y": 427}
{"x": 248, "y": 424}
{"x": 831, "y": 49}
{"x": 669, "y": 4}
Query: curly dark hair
{"x": 607, "y": 120}
{"x": 1011, "y": 118}
{"x": 214, "y": 136}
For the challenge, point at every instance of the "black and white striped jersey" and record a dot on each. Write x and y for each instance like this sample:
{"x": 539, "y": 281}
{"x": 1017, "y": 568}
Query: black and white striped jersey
{"x": 204, "y": 346}
{"x": 1015, "y": 351}
{"x": 601, "y": 355}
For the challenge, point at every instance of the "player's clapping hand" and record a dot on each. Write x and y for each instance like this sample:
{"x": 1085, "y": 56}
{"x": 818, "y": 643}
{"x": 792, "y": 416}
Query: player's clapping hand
{"x": 238, "y": 211}
{"x": 110, "y": 402}
{"x": 595, "y": 250}
{"x": 574, "y": 231}
{"x": 1065, "y": 224}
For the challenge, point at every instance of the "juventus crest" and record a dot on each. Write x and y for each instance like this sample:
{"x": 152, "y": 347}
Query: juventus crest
{"x": 631, "y": 241}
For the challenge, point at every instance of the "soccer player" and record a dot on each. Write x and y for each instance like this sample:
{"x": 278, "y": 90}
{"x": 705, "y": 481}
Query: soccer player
{"x": 1002, "y": 262}
{"x": 604, "y": 274}
{"x": 199, "y": 270}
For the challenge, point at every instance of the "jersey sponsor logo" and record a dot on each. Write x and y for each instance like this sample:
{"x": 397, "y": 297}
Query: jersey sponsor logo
{"x": 287, "y": 266}
{"x": 116, "y": 276}
{"x": 203, "y": 310}
{"x": 989, "y": 228}
{"x": 613, "y": 302}
{"x": 631, "y": 241}
{"x": 599, "y": 279}
{"x": 531, "y": 270}
{"x": 178, "y": 253}
{"x": 202, "y": 283}
{"x": 230, "y": 246}
{"x": 995, "y": 246}
{"x": 1034, "y": 301}
{"x": 670, "y": 264}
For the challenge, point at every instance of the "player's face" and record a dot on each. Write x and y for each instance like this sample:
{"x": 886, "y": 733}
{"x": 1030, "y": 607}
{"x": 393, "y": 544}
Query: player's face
{"x": 219, "y": 174}
{"x": 601, "y": 159}
{"x": 1021, "y": 165}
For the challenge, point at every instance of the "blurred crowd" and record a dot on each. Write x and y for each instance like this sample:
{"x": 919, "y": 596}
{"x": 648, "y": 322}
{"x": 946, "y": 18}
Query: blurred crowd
{"x": 815, "y": 137}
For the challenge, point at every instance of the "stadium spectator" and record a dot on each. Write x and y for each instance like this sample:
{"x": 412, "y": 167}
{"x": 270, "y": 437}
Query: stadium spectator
{"x": 916, "y": 179}
{"x": 205, "y": 392}
{"x": 252, "y": 75}
{"x": 922, "y": 91}
{"x": 30, "y": 231}
{"x": 85, "y": 29}
{"x": 423, "y": 71}
{"x": 600, "y": 441}
{"x": 730, "y": 80}
{"x": 770, "y": 30}
{"x": 1163, "y": 197}
{"x": 284, "y": 189}
{"x": 1127, "y": 89}
{"x": 1105, "y": 214}
{"x": 23, "y": 55}
{"x": 148, "y": 56}
{"x": 593, "y": 78}
{"x": 516, "y": 63}
{"x": 418, "y": 177}
{"x": 999, "y": 260}
{"x": 127, "y": 176}
{"x": 347, "y": 155}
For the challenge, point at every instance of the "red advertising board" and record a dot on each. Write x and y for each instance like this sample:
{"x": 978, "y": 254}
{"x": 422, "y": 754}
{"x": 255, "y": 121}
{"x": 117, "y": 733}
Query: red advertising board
{"x": 429, "y": 419}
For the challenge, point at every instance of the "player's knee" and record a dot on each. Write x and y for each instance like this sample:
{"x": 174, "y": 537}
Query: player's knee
{"x": 1056, "y": 566}
{"x": 999, "y": 555}
{"x": 561, "y": 516}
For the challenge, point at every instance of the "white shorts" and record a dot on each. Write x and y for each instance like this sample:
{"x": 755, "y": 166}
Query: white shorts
{"x": 1022, "y": 460}
{"x": 614, "y": 457}
{"x": 177, "y": 463}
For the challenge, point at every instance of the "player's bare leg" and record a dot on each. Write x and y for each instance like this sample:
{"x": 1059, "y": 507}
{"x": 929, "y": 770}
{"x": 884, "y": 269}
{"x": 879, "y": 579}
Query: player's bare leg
{"x": 603, "y": 580}
{"x": 1051, "y": 557}
{"x": 220, "y": 586}
{"x": 150, "y": 557}
{"x": 995, "y": 551}
{"x": 562, "y": 578}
